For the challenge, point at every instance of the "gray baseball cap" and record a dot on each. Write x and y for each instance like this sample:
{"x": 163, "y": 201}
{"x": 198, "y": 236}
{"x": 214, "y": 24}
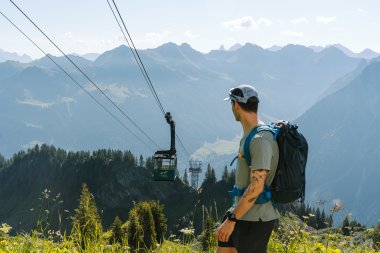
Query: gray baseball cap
{"x": 248, "y": 92}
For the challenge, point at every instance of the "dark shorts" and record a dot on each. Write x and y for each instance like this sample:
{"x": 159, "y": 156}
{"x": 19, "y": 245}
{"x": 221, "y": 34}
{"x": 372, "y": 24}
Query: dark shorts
{"x": 250, "y": 236}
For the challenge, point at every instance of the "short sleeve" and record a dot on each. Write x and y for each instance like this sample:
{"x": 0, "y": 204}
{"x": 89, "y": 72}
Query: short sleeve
{"x": 261, "y": 153}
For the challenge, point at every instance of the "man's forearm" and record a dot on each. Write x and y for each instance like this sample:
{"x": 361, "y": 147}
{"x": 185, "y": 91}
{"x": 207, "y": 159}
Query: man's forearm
{"x": 251, "y": 194}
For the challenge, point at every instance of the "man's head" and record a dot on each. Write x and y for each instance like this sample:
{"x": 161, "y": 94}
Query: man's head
{"x": 243, "y": 98}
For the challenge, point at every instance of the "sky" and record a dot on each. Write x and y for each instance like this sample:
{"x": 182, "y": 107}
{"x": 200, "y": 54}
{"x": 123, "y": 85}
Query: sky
{"x": 88, "y": 26}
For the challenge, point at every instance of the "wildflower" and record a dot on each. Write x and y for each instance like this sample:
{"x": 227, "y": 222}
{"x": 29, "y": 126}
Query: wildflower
{"x": 187, "y": 231}
{"x": 5, "y": 228}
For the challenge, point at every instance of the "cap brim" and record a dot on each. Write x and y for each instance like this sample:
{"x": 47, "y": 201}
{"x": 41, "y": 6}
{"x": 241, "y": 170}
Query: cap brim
{"x": 226, "y": 99}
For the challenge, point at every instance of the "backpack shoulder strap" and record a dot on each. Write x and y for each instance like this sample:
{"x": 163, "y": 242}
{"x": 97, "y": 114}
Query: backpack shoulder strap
{"x": 247, "y": 154}
{"x": 251, "y": 135}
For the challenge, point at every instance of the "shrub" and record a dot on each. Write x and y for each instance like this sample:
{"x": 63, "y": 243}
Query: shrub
{"x": 87, "y": 227}
{"x": 160, "y": 221}
{"x": 118, "y": 234}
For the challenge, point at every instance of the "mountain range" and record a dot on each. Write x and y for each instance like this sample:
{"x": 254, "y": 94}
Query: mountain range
{"x": 41, "y": 104}
{"x": 344, "y": 152}
{"x": 325, "y": 92}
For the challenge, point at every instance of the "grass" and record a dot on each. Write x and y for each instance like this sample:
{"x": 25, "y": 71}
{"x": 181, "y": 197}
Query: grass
{"x": 291, "y": 237}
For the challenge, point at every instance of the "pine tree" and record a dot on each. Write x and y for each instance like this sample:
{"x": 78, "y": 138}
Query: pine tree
{"x": 185, "y": 178}
{"x": 225, "y": 174}
{"x": 87, "y": 227}
{"x": 2, "y": 162}
{"x": 323, "y": 221}
{"x": 318, "y": 219}
{"x": 231, "y": 178}
{"x": 160, "y": 221}
{"x": 149, "y": 163}
{"x": 141, "y": 163}
{"x": 213, "y": 176}
{"x": 147, "y": 222}
{"x": 210, "y": 177}
{"x": 134, "y": 230}
{"x": 117, "y": 232}
{"x": 346, "y": 226}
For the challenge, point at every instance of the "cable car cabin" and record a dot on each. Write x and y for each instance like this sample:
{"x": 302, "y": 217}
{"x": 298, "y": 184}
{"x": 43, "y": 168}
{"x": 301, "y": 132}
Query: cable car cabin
{"x": 165, "y": 161}
{"x": 165, "y": 166}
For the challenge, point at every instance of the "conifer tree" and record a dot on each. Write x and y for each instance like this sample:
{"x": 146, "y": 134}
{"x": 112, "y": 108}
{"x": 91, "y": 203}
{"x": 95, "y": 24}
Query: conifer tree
{"x": 210, "y": 177}
{"x": 213, "y": 176}
{"x": 134, "y": 230}
{"x": 144, "y": 211}
{"x": 87, "y": 227}
{"x": 117, "y": 231}
{"x": 2, "y": 162}
{"x": 225, "y": 174}
{"x": 149, "y": 163}
{"x": 141, "y": 161}
{"x": 346, "y": 226}
{"x": 160, "y": 221}
{"x": 323, "y": 221}
{"x": 317, "y": 218}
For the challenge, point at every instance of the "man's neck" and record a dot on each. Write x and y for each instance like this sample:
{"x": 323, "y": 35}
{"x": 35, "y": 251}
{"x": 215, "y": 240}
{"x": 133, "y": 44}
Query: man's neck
{"x": 248, "y": 122}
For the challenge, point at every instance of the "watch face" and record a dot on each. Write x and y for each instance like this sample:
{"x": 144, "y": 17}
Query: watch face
{"x": 231, "y": 217}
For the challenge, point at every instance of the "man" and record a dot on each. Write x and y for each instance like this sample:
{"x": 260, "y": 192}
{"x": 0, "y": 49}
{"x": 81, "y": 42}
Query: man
{"x": 247, "y": 226}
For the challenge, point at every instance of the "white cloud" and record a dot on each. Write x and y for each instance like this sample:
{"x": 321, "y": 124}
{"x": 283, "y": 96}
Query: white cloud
{"x": 32, "y": 144}
{"x": 301, "y": 20}
{"x": 191, "y": 35}
{"x": 325, "y": 20}
{"x": 244, "y": 23}
{"x": 31, "y": 125}
{"x": 98, "y": 45}
{"x": 156, "y": 38}
{"x": 35, "y": 102}
{"x": 219, "y": 147}
{"x": 292, "y": 33}
{"x": 264, "y": 21}
{"x": 67, "y": 99}
{"x": 140, "y": 94}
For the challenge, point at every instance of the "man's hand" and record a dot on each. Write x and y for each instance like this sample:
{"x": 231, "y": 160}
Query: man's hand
{"x": 224, "y": 232}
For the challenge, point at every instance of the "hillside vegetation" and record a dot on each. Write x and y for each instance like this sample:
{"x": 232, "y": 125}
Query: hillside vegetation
{"x": 106, "y": 201}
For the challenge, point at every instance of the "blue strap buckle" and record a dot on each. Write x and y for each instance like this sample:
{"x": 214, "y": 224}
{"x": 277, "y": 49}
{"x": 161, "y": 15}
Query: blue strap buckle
{"x": 236, "y": 191}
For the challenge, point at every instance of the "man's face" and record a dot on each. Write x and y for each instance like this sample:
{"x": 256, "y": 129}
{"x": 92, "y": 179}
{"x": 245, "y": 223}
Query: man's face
{"x": 235, "y": 110}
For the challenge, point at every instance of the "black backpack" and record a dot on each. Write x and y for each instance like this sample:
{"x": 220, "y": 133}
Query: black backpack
{"x": 289, "y": 181}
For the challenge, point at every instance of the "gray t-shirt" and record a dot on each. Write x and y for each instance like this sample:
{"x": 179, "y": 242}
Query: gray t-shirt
{"x": 264, "y": 155}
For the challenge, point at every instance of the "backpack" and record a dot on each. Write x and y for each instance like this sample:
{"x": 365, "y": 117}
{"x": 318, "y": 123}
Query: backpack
{"x": 289, "y": 181}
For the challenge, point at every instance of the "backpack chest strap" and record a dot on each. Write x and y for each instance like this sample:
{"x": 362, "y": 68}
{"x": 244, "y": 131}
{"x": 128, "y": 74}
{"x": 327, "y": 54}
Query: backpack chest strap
{"x": 263, "y": 198}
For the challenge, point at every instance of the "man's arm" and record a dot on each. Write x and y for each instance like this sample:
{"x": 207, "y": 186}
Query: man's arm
{"x": 252, "y": 193}
{"x": 246, "y": 202}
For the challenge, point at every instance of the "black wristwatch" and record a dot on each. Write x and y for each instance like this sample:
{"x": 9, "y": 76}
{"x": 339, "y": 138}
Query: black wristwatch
{"x": 231, "y": 216}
